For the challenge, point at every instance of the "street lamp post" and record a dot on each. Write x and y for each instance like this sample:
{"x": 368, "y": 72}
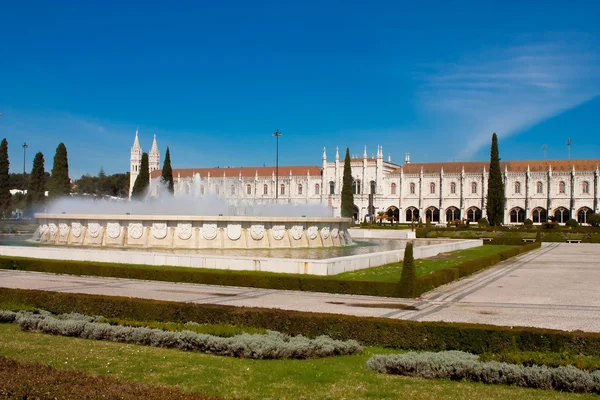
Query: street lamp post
{"x": 24, "y": 146}
{"x": 277, "y": 134}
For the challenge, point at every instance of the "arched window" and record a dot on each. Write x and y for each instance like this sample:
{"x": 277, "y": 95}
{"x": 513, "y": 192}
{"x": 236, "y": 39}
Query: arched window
{"x": 432, "y": 214}
{"x": 412, "y": 214}
{"x": 282, "y": 190}
{"x": 583, "y": 215}
{"x": 331, "y": 187}
{"x": 432, "y": 188}
{"x": 300, "y": 189}
{"x": 562, "y": 215}
{"x": 562, "y": 187}
{"x": 393, "y": 188}
{"x": 474, "y": 214}
{"x": 249, "y": 189}
{"x": 232, "y": 190}
{"x": 453, "y": 188}
{"x": 517, "y": 215}
{"x": 539, "y": 215}
{"x": 539, "y": 187}
{"x": 517, "y": 187}
{"x": 412, "y": 188}
{"x": 474, "y": 187}
{"x": 452, "y": 214}
{"x": 317, "y": 189}
{"x": 265, "y": 189}
{"x": 373, "y": 187}
{"x": 585, "y": 187}
{"x": 356, "y": 186}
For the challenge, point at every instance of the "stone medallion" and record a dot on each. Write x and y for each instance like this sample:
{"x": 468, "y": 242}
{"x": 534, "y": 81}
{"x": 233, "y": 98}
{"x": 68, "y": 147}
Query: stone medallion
{"x": 44, "y": 229}
{"x": 335, "y": 233}
{"x": 63, "y": 229}
{"x": 53, "y": 229}
{"x": 159, "y": 230}
{"x": 234, "y": 231}
{"x": 113, "y": 229}
{"x": 209, "y": 231}
{"x": 257, "y": 232}
{"x": 278, "y": 232}
{"x": 94, "y": 229}
{"x": 183, "y": 231}
{"x": 325, "y": 232}
{"x": 297, "y": 231}
{"x": 135, "y": 230}
{"x": 76, "y": 229}
{"x": 312, "y": 232}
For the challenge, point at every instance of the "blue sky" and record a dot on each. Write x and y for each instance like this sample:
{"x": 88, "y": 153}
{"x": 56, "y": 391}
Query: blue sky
{"x": 213, "y": 80}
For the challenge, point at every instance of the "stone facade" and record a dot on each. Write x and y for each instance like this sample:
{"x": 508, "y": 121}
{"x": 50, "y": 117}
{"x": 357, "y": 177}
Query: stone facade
{"x": 135, "y": 160}
{"x": 442, "y": 191}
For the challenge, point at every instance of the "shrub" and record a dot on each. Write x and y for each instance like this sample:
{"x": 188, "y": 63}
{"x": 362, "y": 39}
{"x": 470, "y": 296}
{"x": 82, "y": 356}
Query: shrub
{"x": 538, "y": 237}
{"x": 572, "y": 223}
{"x": 594, "y": 220}
{"x": 531, "y": 358}
{"x": 528, "y": 223}
{"x": 409, "y": 273}
{"x": 483, "y": 222}
{"x": 273, "y": 345}
{"x": 459, "y": 366}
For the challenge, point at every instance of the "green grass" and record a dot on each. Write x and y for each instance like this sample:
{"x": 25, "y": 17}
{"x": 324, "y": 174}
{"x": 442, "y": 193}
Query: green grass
{"x": 391, "y": 272}
{"x": 330, "y": 378}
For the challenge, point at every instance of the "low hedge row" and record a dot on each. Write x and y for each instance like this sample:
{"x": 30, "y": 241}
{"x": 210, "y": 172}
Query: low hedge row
{"x": 401, "y": 334}
{"x": 530, "y": 358}
{"x": 587, "y": 235}
{"x": 258, "y": 280}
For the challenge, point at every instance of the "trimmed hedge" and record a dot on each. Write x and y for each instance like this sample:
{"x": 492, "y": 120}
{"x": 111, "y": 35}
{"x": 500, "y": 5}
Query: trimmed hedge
{"x": 514, "y": 235}
{"x": 529, "y": 358}
{"x": 260, "y": 280}
{"x": 401, "y": 334}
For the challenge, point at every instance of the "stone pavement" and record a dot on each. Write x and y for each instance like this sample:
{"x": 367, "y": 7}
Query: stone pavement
{"x": 554, "y": 287}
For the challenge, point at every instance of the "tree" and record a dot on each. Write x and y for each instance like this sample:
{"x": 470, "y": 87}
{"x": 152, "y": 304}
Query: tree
{"x": 167, "y": 172}
{"x": 143, "y": 179}
{"x": 37, "y": 184}
{"x": 347, "y": 195}
{"x": 496, "y": 199}
{"x": 4, "y": 178}
{"x": 408, "y": 279}
{"x": 60, "y": 184}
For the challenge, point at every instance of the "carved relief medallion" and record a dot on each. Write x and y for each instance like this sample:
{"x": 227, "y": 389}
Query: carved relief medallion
{"x": 136, "y": 230}
{"x": 312, "y": 232}
{"x": 113, "y": 229}
{"x": 209, "y": 231}
{"x": 257, "y": 232}
{"x": 76, "y": 229}
{"x": 325, "y": 232}
{"x": 63, "y": 229}
{"x": 44, "y": 229}
{"x": 234, "y": 231}
{"x": 159, "y": 230}
{"x": 94, "y": 229}
{"x": 297, "y": 231}
{"x": 278, "y": 232}
{"x": 335, "y": 233}
{"x": 53, "y": 229}
{"x": 183, "y": 231}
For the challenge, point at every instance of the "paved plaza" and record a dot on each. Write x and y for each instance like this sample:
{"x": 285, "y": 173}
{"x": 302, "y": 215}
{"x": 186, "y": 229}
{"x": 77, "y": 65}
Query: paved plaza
{"x": 553, "y": 287}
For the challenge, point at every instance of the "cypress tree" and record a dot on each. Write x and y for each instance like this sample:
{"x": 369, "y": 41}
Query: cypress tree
{"x": 408, "y": 279}
{"x": 496, "y": 199}
{"x": 37, "y": 184}
{"x": 167, "y": 172}
{"x": 143, "y": 179}
{"x": 60, "y": 184}
{"x": 4, "y": 178}
{"x": 347, "y": 207}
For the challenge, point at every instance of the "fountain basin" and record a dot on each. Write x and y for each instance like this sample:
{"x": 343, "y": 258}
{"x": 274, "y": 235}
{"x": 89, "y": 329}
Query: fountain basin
{"x": 191, "y": 232}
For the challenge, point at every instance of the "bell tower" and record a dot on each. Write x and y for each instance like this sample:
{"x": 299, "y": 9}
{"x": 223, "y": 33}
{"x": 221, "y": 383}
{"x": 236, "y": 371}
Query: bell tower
{"x": 135, "y": 161}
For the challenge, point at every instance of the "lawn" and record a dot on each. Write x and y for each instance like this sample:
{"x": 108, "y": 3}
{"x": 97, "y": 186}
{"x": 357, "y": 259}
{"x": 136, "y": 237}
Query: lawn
{"x": 329, "y": 378}
{"x": 391, "y": 272}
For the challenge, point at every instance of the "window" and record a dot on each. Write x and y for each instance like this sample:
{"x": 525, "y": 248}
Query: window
{"x": 300, "y": 189}
{"x": 432, "y": 188}
{"x": 561, "y": 215}
{"x": 412, "y": 214}
{"x": 583, "y": 215}
{"x": 393, "y": 188}
{"x": 539, "y": 215}
{"x": 561, "y": 187}
{"x": 282, "y": 189}
{"x": 517, "y": 187}
{"x": 412, "y": 188}
{"x": 248, "y": 189}
{"x": 474, "y": 187}
{"x": 432, "y": 214}
{"x": 356, "y": 186}
{"x": 453, "y": 188}
{"x": 517, "y": 215}
{"x": 317, "y": 189}
{"x": 474, "y": 214}
{"x": 331, "y": 187}
{"x": 232, "y": 190}
{"x": 539, "y": 187}
{"x": 585, "y": 187}
{"x": 452, "y": 214}
{"x": 373, "y": 187}
{"x": 265, "y": 189}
